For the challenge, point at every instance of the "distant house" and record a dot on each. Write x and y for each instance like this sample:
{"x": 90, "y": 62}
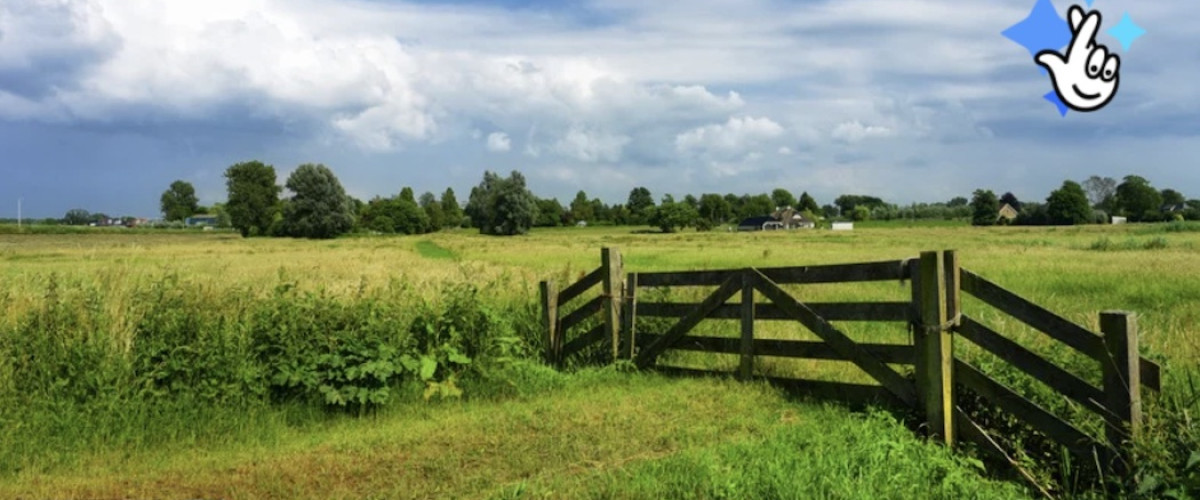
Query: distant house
{"x": 793, "y": 219}
{"x": 843, "y": 226}
{"x": 761, "y": 223}
{"x": 1118, "y": 220}
{"x": 201, "y": 220}
{"x": 1171, "y": 208}
{"x": 1007, "y": 212}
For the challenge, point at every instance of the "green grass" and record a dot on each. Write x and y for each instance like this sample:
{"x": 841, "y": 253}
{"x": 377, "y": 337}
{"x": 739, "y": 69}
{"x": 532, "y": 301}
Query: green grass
{"x": 80, "y": 417}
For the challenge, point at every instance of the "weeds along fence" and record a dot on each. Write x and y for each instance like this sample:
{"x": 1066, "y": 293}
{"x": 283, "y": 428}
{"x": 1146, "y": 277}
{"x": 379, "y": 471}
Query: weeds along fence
{"x": 940, "y": 380}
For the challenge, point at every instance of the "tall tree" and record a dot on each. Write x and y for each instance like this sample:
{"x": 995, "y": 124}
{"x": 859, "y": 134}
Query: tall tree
{"x": 253, "y": 199}
{"x": 1068, "y": 205}
{"x": 500, "y": 206}
{"x": 451, "y": 211}
{"x": 550, "y": 213}
{"x": 783, "y": 198}
{"x": 757, "y": 205}
{"x": 985, "y": 208}
{"x": 672, "y": 215}
{"x": 1011, "y": 200}
{"x": 433, "y": 210}
{"x": 808, "y": 204}
{"x": 958, "y": 201}
{"x": 1137, "y": 199}
{"x": 640, "y": 205}
{"x": 1100, "y": 191}
{"x": 179, "y": 201}
{"x": 407, "y": 194}
{"x": 320, "y": 208}
{"x": 1173, "y": 197}
{"x": 714, "y": 208}
{"x": 581, "y": 208}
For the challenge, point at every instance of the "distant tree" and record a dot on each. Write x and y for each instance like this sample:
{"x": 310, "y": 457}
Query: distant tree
{"x": 550, "y": 213}
{"x": 861, "y": 213}
{"x": 451, "y": 211}
{"x": 179, "y": 201}
{"x": 407, "y": 194}
{"x": 807, "y": 203}
{"x": 830, "y": 211}
{"x": 433, "y": 211}
{"x": 958, "y": 201}
{"x": 1068, "y": 205}
{"x": 394, "y": 215}
{"x": 77, "y": 217}
{"x": 691, "y": 200}
{"x": 671, "y": 215}
{"x": 320, "y": 208}
{"x": 755, "y": 206}
{"x": 985, "y": 208}
{"x": 1011, "y": 200}
{"x": 640, "y": 206}
{"x": 1033, "y": 214}
{"x": 500, "y": 206}
{"x": 600, "y": 211}
{"x": 783, "y": 198}
{"x": 847, "y": 202}
{"x": 581, "y": 208}
{"x": 1137, "y": 199}
{"x": 714, "y": 208}
{"x": 1101, "y": 191}
{"x": 1173, "y": 197}
{"x": 222, "y": 213}
{"x": 253, "y": 197}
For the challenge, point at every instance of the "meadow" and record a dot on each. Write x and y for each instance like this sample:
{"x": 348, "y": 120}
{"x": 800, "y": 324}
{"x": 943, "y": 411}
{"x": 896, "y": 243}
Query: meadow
{"x": 184, "y": 365}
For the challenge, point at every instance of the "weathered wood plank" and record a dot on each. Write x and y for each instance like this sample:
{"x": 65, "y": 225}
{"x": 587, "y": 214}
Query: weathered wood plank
{"x": 629, "y": 317}
{"x": 611, "y": 263}
{"x": 1062, "y": 381}
{"x": 1151, "y": 374}
{"x": 934, "y": 350}
{"x": 746, "y": 367}
{"x": 596, "y": 334}
{"x": 899, "y": 354}
{"x": 860, "y": 395}
{"x": 1062, "y": 432}
{"x": 651, "y": 351}
{"x": 576, "y": 289}
{"x": 1122, "y": 385}
{"x": 792, "y": 275}
{"x": 1036, "y": 316}
{"x": 549, "y": 297}
{"x": 838, "y": 340}
{"x": 577, "y": 316}
{"x": 831, "y": 311}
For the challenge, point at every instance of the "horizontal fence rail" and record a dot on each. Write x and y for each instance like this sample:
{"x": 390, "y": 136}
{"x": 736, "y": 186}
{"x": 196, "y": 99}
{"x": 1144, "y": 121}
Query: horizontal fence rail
{"x": 836, "y": 273}
{"x": 831, "y": 311}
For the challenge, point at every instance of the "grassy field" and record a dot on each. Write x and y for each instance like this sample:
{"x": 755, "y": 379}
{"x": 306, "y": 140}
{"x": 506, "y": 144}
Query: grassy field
{"x": 98, "y": 402}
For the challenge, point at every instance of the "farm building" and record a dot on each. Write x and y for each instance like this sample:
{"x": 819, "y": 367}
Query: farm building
{"x": 1008, "y": 212}
{"x": 1118, "y": 220}
{"x": 793, "y": 219}
{"x": 843, "y": 226}
{"x": 761, "y": 223}
{"x": 201, "y": 220}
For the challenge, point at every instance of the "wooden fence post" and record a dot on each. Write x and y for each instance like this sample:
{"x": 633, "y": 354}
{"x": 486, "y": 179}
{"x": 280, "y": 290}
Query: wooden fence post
{"x": 629, "y": 313}
{"x": 610, "y": 260}
{"x": 935, "y": 350}
{"x": 1122, "y": 385}
{"x": 746, "y": 368}
{"x": 550, "y": 320}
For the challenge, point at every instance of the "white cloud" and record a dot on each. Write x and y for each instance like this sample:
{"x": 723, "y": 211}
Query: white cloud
{"x": 785, "y": 151}
{"x": 734, "y": 137}
{"x": 591, "y": 146}
{"x": 855, "y": 131}
{"x": 498, "y": 142}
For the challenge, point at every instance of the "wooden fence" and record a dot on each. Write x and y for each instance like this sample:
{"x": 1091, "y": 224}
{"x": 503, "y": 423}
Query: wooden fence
{"x": 933, "y": 314}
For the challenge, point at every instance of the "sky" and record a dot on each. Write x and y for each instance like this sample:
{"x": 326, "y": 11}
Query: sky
{"x": 103, "y": 103}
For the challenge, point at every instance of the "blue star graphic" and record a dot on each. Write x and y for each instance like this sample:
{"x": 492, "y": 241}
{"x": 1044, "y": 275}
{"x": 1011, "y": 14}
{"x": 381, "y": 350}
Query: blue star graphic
{"x": 1053, "y": 98}
{"x": 1126, "y": 31}
{"x": 1042, "y": 30}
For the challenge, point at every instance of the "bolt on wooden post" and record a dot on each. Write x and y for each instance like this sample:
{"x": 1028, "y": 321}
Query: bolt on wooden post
{"x": 1122, "y": 384}
{"x": 933, "y": 343}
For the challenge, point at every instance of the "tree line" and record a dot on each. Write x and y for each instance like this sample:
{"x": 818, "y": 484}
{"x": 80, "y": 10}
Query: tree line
{"x": 318, "y": 206}
{"x": 1095, "y": 200}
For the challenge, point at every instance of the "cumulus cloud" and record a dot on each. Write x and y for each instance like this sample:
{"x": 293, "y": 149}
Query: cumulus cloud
{"x": 732, "y": 138}
{"x": 498, "y": 142}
